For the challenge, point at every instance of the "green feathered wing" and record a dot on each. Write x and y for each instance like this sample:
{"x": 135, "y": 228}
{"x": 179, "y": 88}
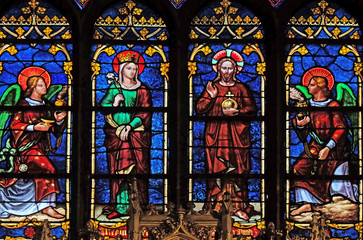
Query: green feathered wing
{"x": 346, "y": 97}
{"x": 10, "y": 98}
{"x": 52, "y": 91}
{"x": 304, "y": 90}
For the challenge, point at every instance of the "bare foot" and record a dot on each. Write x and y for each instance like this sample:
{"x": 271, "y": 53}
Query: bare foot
{"x": 242, "y": 215}
{"x": 52, "y": 213}
{"x": 303, "y": 208}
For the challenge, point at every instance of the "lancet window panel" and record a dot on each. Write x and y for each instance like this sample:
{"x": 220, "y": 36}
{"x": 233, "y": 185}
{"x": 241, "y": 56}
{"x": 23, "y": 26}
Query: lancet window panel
{"x": 36, "y": 120}
{"x": 324, "y": 123}
{"x": 226, "y": 114}
{"x": 130, "y": 91}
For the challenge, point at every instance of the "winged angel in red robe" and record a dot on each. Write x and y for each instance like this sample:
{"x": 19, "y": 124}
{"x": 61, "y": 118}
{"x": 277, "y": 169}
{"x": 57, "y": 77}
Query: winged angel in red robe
{"x": 324, "y": 133}
{"x": 27, "y": 146}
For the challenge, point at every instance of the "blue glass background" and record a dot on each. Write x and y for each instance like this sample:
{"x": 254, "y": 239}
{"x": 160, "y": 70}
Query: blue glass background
{"x": 157, "y": 144}
{"x": 19, "y": 232}
{"x": 209, "y": 12}
{"x": 342, "y": 67}
{"x": 306, "y": 13}
{"x": 50, "y": 12}
{"x": 151, "y": 75}
{"x": 113, "y": 12}
{"x": 156, "y": 191}
{"x": 205, "y": 72}
{"x": 33, "y": 56}
{"x": 199, "y": 166}
{"x": 334, "y": 233}
{"x": 200, "y": 190}
{"x": 37, "y": 55}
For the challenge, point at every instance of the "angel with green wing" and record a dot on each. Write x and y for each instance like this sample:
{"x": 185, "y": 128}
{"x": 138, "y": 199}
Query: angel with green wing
{"x": 28, "y": 143}
{"x": 323, "y": 130}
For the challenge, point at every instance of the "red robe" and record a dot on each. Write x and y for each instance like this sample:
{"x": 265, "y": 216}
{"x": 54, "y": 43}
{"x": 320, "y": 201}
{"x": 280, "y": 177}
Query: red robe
{"x": 228, "y": 140}
{"x": 136, "y": 150}
{"x": 328, "y": 125}
{"x": 35, "y": 157}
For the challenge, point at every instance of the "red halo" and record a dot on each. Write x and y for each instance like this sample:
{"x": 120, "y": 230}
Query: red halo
{"x": 29, "y": 72}
{"x": 318, "y": 72}
{"x": 116, "y": 63}
{"x": 228, "y": 53}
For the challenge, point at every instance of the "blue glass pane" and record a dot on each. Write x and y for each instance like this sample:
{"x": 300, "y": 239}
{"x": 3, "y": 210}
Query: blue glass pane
{"x": 199, "y": 161}
{"x": 254, "y": 190}
{"x": 29, "y": 230}
{"x": 350, "y": 233}
{"x": 102, "y": 191}
{"x": 199, "y": 190}
{"x": 156, "y": 191}
{"x": 338, "y": 59}
{"x": 18, "y": 57}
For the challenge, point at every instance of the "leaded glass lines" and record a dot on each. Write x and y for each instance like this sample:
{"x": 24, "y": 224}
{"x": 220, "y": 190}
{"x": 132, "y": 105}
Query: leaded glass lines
{"x": 226, "y": 20}
{"x": 324, "y": 20}
{"x": 130, "y": 21}
{"x": 34, "y": 21}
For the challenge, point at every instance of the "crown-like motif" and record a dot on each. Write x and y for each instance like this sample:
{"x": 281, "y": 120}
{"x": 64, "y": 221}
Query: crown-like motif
{"x": 128, "y": 57}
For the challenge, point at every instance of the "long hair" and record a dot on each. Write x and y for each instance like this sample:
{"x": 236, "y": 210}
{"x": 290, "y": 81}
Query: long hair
{"x": 31, "y": 83}
{"x": 219, "y": 66}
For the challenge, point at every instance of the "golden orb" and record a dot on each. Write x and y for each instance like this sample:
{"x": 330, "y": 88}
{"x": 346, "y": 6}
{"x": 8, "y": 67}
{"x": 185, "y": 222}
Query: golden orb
{"x": 229, "y": 103}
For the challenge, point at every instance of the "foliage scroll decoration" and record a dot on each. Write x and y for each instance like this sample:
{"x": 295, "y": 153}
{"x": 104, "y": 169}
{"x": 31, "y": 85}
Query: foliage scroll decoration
{"x": 129, "y": 21}
{"x": 214, "y": 27}
{"x": 323, "y": 20}
{"x": 30, "y": 22}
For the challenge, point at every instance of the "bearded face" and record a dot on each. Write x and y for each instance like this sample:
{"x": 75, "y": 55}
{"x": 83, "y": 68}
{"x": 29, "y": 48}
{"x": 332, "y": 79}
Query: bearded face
{"x": 227, "y": 70}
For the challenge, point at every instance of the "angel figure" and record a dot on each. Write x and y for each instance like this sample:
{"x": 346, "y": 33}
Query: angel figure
{"x": 324, "y": 132}
{"x": 28, "y": 143}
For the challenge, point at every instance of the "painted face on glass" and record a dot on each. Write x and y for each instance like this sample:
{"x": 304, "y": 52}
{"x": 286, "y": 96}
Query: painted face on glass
{"x": 313, "y": 87}
{"x": 129, "y": 71}
{"x": 41, "y": 87}
{"x": 227, "y": 70}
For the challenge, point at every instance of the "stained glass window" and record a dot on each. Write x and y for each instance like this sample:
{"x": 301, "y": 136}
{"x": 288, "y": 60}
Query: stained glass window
{"x": 36, "y": 120}
{"x": 276, "y": 3}
{"x": 227, "y": 109}
{"x": 323, "y": 123}
{"x": 177, "y": 3}
{"x": 130, "y": 97}
{"x": 81, "y": 3}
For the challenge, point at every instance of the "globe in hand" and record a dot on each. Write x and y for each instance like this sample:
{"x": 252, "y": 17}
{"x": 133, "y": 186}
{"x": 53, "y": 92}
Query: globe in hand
{"x": 229, "y": 103}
